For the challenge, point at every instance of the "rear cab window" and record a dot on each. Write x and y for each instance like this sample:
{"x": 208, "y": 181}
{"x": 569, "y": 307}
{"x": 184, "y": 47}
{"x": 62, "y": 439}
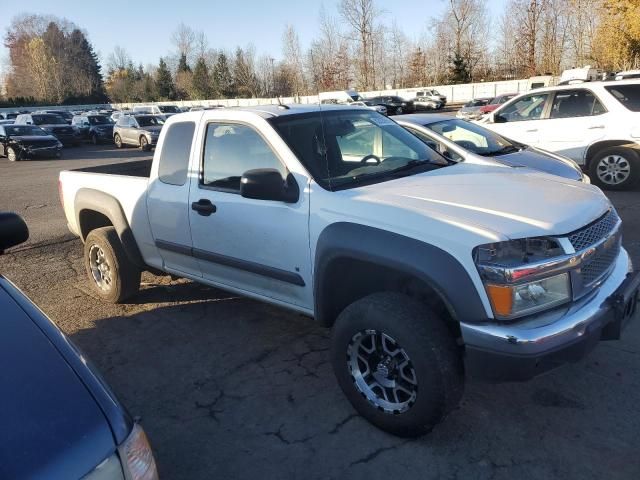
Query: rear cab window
{"x": 176, "y": 150}
{"x": 627, "y": 95}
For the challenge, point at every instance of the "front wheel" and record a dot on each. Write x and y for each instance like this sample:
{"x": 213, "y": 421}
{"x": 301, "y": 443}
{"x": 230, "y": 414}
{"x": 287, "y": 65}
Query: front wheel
{"x": 112, "y": 275}
{"x": 615, "y": 168}
{"x": 13, "y": 155}
{"x": 397, "y": 363}
{"x": 144, "y": 144}
{"x": 94, "y": 139}
{"x": 399, "y": 111}
{"x": 117, "y": 140}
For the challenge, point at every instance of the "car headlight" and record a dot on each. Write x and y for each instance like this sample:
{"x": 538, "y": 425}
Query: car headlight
{"x": 137, "y": 457}
{"x": 507, "y": 269}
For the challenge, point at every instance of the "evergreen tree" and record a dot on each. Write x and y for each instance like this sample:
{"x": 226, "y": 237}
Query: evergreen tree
{"x": 183, "y": 66}
{"x": 200, "y": 82}
{"x": 223, "y": 86}
{"x": 459, "y": 70}
{"x": 165, "y": 87}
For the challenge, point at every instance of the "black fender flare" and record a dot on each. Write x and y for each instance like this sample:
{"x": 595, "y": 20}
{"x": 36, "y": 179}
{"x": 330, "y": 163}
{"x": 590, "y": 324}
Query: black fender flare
{"x": 432, "y": 265}
{"x": 97, "y": 201}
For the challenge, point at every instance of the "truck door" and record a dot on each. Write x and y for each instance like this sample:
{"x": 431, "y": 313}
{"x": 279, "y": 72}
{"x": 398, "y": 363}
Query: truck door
{"x": 168, "y": 197}
{"x": 255, "y": 246}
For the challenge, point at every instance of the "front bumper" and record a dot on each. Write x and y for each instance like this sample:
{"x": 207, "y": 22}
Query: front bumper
{"x": 522, "y": 350}
{"x": 45, "y": 152}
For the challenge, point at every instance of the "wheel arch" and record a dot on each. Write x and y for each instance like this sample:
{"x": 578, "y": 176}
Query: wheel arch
{"x": 353, "y": 261}
{"x": 598, "y": 146}
{"x": 95, "y": 209}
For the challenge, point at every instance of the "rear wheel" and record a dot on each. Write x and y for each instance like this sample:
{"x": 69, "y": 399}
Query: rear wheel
{"x": 397, "y": 363}
{"x": 399, "y": 111}
{"x": 615, "y": 168}
{"x": 117, "y": 140}
{"x": 113, "y": 277}
{"x": 13, "y": 155}
{"x": 94, "y": 139}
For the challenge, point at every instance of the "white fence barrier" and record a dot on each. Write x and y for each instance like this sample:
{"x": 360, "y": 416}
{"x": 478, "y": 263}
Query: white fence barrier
{"x": 454, "y": 93}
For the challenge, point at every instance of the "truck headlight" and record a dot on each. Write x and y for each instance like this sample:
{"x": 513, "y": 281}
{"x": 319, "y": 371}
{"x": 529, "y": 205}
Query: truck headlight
{"x": 137, "y": 457}
{"x": 511, "y": 301}
{"x": 514, "y": 277}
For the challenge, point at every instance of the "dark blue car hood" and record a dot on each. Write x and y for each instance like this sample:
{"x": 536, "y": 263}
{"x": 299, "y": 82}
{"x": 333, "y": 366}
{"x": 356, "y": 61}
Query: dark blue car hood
{"x": 51, "y": 425}
{"x": 532, "y": 158}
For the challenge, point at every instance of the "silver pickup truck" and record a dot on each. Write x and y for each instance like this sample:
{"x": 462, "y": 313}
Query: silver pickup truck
{"x": 425, "y": 269}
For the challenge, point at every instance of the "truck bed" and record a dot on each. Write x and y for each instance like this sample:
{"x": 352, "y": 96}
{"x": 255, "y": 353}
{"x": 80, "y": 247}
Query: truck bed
{"x": 140, "y": 168}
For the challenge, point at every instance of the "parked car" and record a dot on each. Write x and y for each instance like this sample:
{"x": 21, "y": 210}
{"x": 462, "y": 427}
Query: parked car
{"x": 370, "y": 105}
{"x": 431, "y": 94}
{"x": 53, "y": 124}
{"x": 94, "y": 127}
{"x": 339, "y": 96}
{"x": 139, "y": 130}
{"x": 66, "y": 115}
{"x": 116, "y": 115}
{"x": 496, "y": 102}
{"x": 60, "y": 419}
{"x": 424, "y": 268}
{"x": 21, "y": 142}
{"x": 166, "y": 110}
{"x": 471, "y": 110}
{"x": 395, "y": 105}
{"x": 7, "y": 122}
{"x": 460, "y": 140}
{"x": 8, "y": 115}
{"x": 596, "y": 124}
{"x": 426, "y": 103}
{"x": 627, "y": 75}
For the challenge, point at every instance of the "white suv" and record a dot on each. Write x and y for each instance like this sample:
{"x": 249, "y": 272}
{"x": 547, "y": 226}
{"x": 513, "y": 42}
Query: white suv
{"x": 596, "y": 124}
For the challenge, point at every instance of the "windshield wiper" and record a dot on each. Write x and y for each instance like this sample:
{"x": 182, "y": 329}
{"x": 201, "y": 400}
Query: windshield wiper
{"x": 503, "y": 151}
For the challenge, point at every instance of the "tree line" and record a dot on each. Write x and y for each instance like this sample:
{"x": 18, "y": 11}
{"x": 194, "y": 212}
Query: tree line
{"x": 358, "y": 45}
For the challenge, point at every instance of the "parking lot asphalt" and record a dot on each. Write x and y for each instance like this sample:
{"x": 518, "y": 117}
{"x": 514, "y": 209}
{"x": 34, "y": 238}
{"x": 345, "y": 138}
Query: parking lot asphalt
{"x": 231, "y": 388}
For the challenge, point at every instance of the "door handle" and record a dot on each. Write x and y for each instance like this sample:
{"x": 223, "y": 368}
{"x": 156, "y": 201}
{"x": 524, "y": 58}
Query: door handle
{"x": 532, "y": 130}
{"x": 596, "y": 127}
{"x": 204, "y": 207}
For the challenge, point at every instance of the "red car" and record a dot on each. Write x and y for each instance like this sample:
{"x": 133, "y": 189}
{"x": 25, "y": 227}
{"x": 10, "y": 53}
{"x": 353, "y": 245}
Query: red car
{"x": 496, "y": 102}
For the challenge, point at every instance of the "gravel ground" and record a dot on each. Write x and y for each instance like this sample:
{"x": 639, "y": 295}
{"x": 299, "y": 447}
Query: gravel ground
{"x": 231, "y": 388}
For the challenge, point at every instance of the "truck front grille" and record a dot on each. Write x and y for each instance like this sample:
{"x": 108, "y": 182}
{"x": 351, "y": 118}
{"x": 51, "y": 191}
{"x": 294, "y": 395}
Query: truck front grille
{"x": 595, "y": 232}
{"x": 597, "y": 267}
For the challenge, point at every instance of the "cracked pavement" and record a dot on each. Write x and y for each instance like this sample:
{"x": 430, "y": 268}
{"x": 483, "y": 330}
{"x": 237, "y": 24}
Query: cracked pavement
{"x": 228, "y": 387}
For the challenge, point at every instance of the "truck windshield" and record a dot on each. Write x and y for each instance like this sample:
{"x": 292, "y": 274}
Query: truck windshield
{"x": 348, "y": 148}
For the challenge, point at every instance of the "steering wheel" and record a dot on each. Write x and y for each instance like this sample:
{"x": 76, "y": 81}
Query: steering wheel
{"x": 371, "y": 156}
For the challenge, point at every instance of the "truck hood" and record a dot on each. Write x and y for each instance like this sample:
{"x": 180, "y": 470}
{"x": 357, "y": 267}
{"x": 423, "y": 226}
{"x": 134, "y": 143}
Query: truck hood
{"x": 509, "y": 202}
{"x": 52, "y": 426}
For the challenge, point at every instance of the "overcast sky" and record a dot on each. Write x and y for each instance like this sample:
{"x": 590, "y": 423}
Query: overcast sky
{"x": 144, "y": 28}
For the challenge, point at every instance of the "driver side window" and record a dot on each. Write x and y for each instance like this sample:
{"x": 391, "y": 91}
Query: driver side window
{"x": 232, "y": 149}
{"x": 529, "y": 107}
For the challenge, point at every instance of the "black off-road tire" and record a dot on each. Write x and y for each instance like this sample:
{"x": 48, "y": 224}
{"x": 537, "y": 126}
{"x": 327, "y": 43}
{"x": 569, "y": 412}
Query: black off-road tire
{"x": 621, "y": 156}
{"x": 434, "y": 357}
{"x": 124, "y": 275}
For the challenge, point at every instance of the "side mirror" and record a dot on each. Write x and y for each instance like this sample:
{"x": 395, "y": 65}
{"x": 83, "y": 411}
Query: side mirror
{"x": 13, "y": 230}
{"x": 268, "y": 184}
{"x": 497, "y": 118}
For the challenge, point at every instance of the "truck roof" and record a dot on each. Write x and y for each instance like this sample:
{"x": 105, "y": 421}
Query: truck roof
{"x": 267, "y": 111}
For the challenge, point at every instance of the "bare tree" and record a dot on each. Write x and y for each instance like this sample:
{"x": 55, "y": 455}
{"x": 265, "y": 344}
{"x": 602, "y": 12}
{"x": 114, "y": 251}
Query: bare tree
{"x": 293, "y": 59}
{"x": 398, "y": 54}
{"x": 184, "y": 39}
{"x": 361, "y": 15}
{"x": 119, "y": 59}
{"x": 528, "y": 15}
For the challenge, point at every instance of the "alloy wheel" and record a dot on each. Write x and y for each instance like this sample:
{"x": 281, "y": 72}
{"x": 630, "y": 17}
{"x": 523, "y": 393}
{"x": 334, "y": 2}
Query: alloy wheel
{"x": 382, "y": 371}
{"x": 613, "y": 169}
{"x": 100, "y": 268}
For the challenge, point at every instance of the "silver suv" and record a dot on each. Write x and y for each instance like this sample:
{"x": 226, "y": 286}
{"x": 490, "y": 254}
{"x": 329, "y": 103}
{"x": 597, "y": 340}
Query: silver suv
{"x": 139, "y": 130}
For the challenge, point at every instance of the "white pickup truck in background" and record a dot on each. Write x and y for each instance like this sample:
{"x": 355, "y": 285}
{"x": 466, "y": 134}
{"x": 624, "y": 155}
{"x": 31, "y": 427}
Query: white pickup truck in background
{"x": 426, "y": 270}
